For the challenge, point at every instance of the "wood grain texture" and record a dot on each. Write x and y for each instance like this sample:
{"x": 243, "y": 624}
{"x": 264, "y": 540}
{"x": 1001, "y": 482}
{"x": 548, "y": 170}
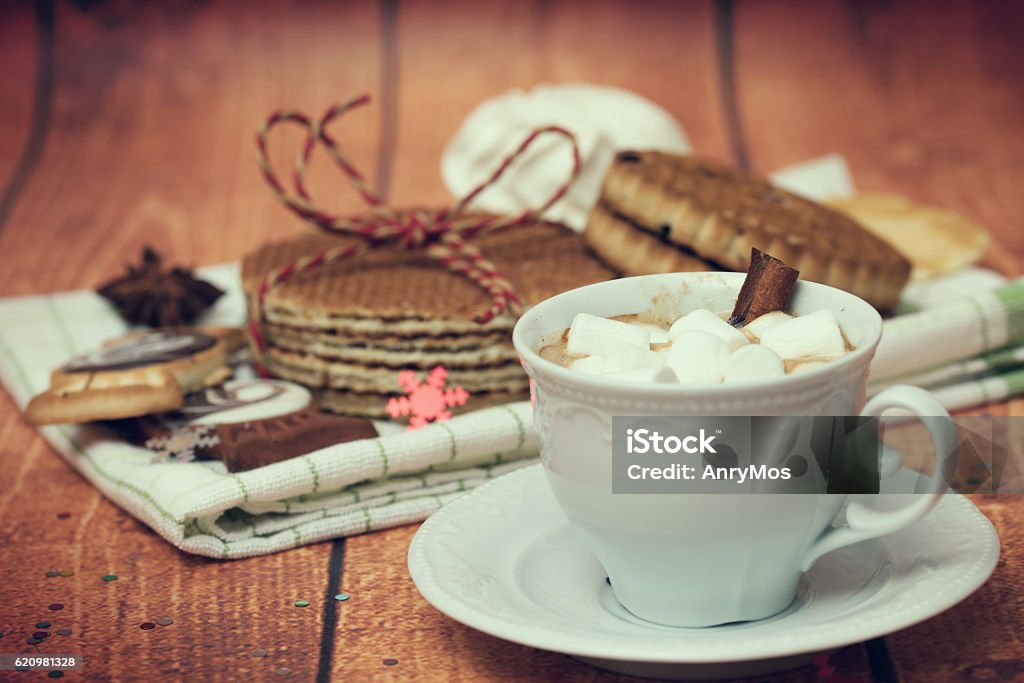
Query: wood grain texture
{"x": 155, "y": 107}
{"x": 922, "y": 100}
{"x": 663, "y": 51}
{"x": 150, "y": 141}
{"x": 221, "y": 610}
{"x": 26, "y": 48}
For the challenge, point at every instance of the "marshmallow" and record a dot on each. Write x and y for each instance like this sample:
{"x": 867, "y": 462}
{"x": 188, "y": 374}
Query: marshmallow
{"x": 591, "y": 365}
{"x": 660, "y": 375}
{"x": 809, "y": 365}
{"x": 698, "y": 357}
{"x": 624, "y": 357}
{"x": 705, "y": 321}
{"x": 659, "y": 335}
{"x": 753, "y": 362}
{"x": 815, "y": 335}
{"x": 591, "y": 335}
{"x": 758, "y": 326}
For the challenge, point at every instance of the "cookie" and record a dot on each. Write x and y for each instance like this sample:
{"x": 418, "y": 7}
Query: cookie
{"x": 935, "y": 240}
{"x": 248, "y": 424}
{"x": 138, "y": 374}
{"x": 721, "y": 213}
{"x": 631, "y": 250}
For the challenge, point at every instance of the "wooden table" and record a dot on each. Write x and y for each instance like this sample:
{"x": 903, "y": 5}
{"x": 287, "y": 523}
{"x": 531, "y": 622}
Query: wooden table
{"x": 124, "y": 125}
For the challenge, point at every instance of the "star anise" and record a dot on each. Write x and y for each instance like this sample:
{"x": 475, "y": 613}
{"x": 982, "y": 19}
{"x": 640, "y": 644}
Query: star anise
{"x": 148, "y": 295}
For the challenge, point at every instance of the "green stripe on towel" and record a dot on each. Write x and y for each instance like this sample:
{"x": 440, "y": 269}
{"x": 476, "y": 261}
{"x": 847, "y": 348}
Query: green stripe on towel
{"x": 1012, "y": 299}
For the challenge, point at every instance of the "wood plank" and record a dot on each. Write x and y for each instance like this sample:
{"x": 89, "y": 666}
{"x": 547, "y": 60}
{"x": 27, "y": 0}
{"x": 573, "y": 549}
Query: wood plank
{"x": 152, "y": 141}
{"x": 155, "y": 109}
{"x": 20, "y": 48}
{"x": 924, "y": 103}
{"x": 222, "y": 611}
{"x": 663, "y": 51}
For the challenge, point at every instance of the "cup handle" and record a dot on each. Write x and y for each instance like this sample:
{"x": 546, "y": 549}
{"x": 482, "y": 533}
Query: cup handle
{"x": 864, "y": 522}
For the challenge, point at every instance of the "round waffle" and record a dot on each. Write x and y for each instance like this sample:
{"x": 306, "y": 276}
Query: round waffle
{"x": 404, "y": 293}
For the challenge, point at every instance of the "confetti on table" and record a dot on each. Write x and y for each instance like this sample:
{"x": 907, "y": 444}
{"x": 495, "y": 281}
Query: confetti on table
{"x": 390, "y": 661}
{"x": 341, "y": 597}
{"x": 42, "y": 624}
{"x": 109, "y": 577}
{"x": 50, "y": 574}
{"x": 147, "y": 625}
{"x": 41, "y": 634}
{"x": 63, "y": 515}
{"x": 67, "y": 572}
{"x": 33, "y": 641}
{"x": 302, "y": 603}
{"x": 56, "y": 673}
{"x": 283, "y": 671}
{"x": 56, "y": 606}
{"x": 259, "y": 653}
{"x": 63, "y": 632}
{"x": 165, "y": 621}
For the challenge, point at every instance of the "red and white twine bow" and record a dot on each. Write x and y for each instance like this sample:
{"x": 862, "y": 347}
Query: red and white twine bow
{"x": 441, "y": 233}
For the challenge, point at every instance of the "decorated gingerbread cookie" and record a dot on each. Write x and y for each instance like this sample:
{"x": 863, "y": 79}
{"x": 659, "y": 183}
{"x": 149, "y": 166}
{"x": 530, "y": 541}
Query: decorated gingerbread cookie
{"x": 138, "y": 374}
{"x": 248, "y": 424}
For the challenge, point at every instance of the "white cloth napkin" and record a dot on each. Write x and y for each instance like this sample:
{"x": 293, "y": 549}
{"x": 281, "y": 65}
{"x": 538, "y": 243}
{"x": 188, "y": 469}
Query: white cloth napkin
{"x": 398, "y": 478}
{"x": 967, "y": 351}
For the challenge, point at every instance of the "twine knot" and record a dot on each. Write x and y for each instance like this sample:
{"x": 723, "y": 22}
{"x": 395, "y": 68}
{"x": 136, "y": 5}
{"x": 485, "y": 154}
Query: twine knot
{"x": 442, "y": 234}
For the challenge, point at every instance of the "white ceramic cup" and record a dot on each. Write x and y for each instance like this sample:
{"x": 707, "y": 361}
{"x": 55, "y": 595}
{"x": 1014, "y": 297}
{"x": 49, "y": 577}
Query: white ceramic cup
{"x": 704, "y": 559}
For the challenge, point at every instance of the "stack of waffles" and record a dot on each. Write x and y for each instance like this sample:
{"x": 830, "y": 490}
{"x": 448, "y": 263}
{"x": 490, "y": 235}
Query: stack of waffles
{"x": 347, "y": 330}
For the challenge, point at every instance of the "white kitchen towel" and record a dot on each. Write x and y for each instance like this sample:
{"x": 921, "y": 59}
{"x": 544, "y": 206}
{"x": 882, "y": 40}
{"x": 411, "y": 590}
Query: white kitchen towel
{"x": 959, "y": 330}
{"x": 398, "y": 478}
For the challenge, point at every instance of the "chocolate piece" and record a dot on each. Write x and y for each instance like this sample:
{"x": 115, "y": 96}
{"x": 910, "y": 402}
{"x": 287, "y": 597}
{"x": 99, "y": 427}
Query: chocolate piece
{"x": 147, "y": 295}
{"x": 768, "y": 287}
{"x": 161, "y": 346}
{"x": 247, "y": 424}
{"x": 248, "y": 445}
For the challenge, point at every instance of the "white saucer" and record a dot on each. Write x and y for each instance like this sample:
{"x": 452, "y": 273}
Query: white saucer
{"x": 504, "y": 560}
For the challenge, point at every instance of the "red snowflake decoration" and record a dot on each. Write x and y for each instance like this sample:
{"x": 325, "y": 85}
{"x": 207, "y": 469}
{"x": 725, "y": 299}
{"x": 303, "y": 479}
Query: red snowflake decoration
{"x": 426, "y": 401}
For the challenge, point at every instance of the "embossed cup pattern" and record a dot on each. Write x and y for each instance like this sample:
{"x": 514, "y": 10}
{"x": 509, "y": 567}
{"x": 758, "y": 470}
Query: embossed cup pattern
{"x": 686, "y": 560}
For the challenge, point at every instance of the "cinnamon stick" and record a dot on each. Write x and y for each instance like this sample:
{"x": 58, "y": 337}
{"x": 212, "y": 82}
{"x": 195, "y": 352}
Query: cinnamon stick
{"x": 768, "y": 287}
